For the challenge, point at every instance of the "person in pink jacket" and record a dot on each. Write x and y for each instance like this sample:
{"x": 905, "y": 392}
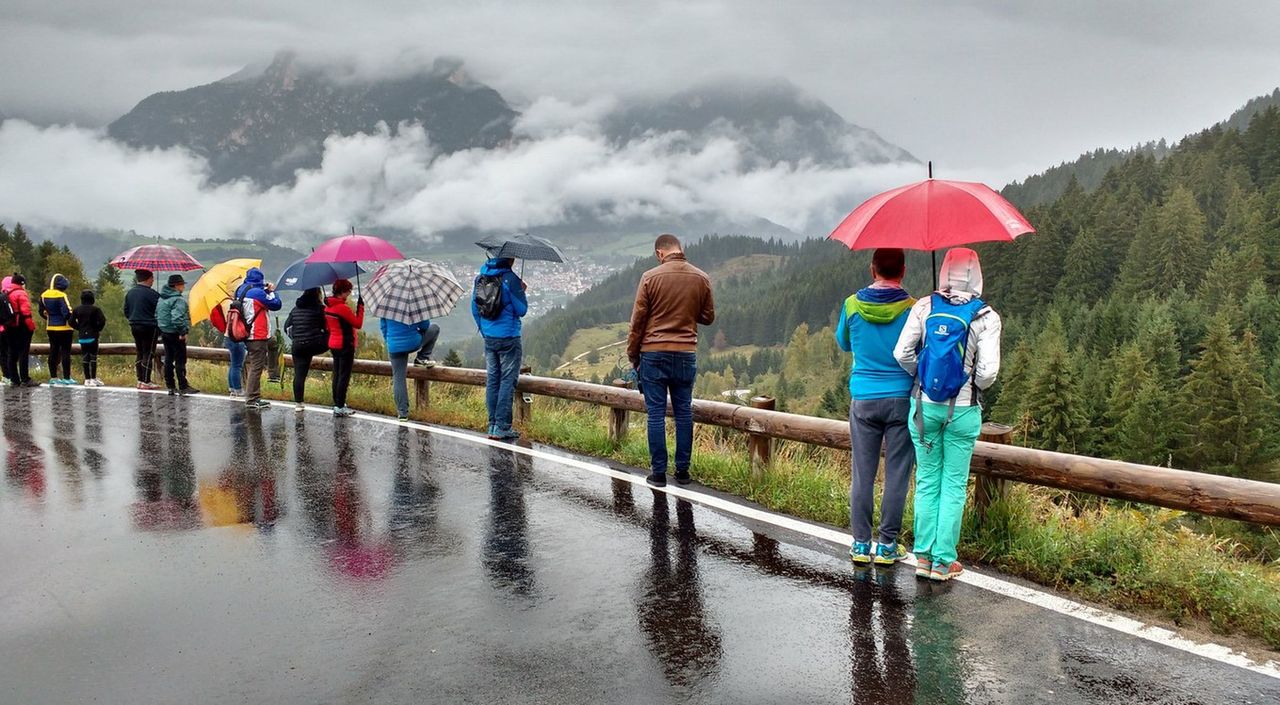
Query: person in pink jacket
{"x": 4, "y": 343}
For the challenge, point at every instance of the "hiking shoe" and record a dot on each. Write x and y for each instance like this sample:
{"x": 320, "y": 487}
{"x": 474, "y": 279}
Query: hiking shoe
{"x": 173, "y": 391}
{"x": 423, "y": 362}
{"x": 942, "y": 571}
{"x": 30, "y": 384}
{"x": 273, "y": 380}
{"x": 299, "y": 407}
{"x": 235, "y": 393}
{"x": 402, "y": 418}
{"x": 342, "y": 411}
{"x": 148, "y": 385}
{"x": 889, "y": 554}
{"x": 860, "y": 552}
{"x": 657, "y": 479}
{"x": 923, "y": 564}
{"x": 258, "y": 405}
{"x": 682, "y": 477}
{"x": 188, "y": 390}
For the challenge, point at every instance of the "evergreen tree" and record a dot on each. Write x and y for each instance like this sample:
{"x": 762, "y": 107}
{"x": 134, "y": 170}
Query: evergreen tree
{"x": 108, "y": 275}
{"x": 1209, "y": 402}
{"x": 1053, "y": 397}
{"x": 1178, "y": 257}
{"x": 1254, "y": 439}
{"x": 1147, "y": 433}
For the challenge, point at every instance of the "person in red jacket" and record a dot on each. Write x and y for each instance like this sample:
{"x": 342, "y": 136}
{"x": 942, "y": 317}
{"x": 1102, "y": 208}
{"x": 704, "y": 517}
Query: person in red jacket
{"x": 343, "y": 326}
{"x": 18, "y": 336}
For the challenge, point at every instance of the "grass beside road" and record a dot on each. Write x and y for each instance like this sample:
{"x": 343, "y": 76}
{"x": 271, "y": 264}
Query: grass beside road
{"x": 1190, "y": 570}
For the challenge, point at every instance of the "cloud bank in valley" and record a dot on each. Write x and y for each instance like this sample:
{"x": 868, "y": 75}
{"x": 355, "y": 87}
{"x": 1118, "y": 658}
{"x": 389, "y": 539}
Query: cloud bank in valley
{"x": 562, "y": 167}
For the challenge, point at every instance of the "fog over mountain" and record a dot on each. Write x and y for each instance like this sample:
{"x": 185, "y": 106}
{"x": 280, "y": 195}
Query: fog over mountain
{"x": 296, "y": 149}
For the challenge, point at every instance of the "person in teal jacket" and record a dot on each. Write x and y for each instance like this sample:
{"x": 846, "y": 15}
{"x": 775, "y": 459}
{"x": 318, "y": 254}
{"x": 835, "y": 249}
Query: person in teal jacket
{"x": 869, "y": 325}
{"x": 403, "y": 339}
{"x": 173, "y": 317}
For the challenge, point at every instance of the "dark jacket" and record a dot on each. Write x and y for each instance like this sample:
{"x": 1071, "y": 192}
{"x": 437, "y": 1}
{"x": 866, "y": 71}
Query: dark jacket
{"x": 140, "y": 305}
{"x": 306, "y": 326}
{"x": 514, "y": 303}
{"x": 88, "y": 319}
{"x": 673, "y": 299}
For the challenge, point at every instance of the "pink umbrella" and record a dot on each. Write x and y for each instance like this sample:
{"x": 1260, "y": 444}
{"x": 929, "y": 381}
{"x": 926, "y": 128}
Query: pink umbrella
{"x": 354, "y": 248}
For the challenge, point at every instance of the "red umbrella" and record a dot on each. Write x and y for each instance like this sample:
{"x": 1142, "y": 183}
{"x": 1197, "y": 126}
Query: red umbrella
{"x": 932, "y": 215}
{"x": 158, "y": 258}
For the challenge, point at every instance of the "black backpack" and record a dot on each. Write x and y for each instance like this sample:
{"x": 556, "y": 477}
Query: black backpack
{"x": 8, "y": 314}
{"x": 488, "y": 295}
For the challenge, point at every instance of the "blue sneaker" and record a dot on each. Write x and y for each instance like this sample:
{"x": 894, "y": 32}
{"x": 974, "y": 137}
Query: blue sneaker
{"x": 860, "y": 552}
{"x": 887, "y": 554}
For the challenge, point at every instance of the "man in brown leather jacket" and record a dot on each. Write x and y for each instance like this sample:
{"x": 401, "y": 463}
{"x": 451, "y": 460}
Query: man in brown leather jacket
{"x": 673, "y": 299}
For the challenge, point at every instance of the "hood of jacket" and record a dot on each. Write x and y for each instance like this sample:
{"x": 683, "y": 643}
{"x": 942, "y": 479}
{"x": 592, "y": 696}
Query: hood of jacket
{"x": 961, "y": 274}
{"x": 87, "y": 298}
{"x": 6, "y": 284}
{"x": 168, "y": 292}
{"x": 59, "y": 282}
{"x": 881, "y": 304}
{"x": 495, "y": 265}
{"x": 255, "y": 277}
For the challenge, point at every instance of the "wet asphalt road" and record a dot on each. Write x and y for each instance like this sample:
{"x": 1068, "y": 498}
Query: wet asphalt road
{"x": 160, "y": 550}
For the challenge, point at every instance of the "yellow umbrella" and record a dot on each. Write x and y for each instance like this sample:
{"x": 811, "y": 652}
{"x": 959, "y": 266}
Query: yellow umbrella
{"x": 216, "y": 285}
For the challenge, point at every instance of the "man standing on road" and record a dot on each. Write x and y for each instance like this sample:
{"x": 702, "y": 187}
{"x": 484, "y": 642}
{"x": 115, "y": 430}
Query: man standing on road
{"x": 869, "y": 325}
{"x": 258, "y": 299}
{"x": 140, "y": 308}
{"x": 673, "y": 299}
{"x": 498, "y": 302}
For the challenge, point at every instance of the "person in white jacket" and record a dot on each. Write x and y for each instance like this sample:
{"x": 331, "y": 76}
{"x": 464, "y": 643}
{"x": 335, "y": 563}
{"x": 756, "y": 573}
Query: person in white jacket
{"x": 944, "y": 430}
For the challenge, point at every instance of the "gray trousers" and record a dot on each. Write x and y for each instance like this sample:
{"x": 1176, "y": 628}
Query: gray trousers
{"x": 872, "y": 423}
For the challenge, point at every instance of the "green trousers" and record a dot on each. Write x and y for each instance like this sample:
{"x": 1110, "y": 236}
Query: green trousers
{"x": 942, "y": 476}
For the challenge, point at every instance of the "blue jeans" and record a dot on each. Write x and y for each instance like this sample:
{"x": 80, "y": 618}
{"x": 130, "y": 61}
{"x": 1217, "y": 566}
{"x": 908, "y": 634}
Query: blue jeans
{"x": 502, "y": 365}
{"x": 234, "y": 380}
{"x": 663, "y": 374}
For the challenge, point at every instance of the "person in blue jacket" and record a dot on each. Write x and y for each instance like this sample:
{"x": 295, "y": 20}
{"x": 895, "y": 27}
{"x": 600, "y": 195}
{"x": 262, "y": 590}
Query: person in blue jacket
{"x": 403, "y": 339}
{"x": 498, "y": 303}
{"x": 868, "y": 326}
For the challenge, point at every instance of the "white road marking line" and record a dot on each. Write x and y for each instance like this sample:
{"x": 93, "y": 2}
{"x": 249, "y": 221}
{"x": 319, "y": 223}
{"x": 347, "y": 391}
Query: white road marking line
{"x": 1038, "y": 598}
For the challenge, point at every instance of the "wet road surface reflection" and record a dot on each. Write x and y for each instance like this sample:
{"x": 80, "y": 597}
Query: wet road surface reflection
{"x": 160, "y": 550}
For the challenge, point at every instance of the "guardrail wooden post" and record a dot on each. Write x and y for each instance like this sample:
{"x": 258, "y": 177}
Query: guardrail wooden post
{"x": 421, "y": 394}
{"x": 618, "y": 417}
{"x": 759, "y": 445}
{"x": 522, "y": 403}
{"x": 987, "y": 489}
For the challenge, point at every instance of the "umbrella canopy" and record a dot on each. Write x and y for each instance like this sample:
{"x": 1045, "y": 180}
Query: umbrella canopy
{"x": 303, "y": 275}
{"x": 216, "y": 285}
{"x": 412, "y": 291}
{"x": 355, "y": 248}
{"x": 157, "y": 258}
{"x": 932, "y": 215}
{"x": 523, "y": 246}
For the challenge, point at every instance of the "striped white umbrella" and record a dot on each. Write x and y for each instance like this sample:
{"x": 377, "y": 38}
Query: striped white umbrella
{"x": 410, "y": 291}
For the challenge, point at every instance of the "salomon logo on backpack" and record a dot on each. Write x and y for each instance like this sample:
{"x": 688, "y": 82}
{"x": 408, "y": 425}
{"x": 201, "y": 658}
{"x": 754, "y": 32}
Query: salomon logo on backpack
{"x": 946, "y": 339}
{"x": 488, "y": 295}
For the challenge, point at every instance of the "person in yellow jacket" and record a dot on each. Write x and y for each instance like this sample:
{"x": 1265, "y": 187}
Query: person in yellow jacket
{"x": 55, "y": 308}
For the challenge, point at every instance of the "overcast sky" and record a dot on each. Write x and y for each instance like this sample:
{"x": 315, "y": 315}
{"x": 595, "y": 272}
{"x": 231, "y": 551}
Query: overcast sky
{"x": 991, "y": 89}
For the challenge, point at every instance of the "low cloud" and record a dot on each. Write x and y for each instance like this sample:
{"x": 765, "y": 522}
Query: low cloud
{"x": 562, "y": 168}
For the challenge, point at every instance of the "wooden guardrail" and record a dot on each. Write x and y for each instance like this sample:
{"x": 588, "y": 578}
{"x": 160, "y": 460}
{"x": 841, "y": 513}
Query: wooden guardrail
{"x": 1213, "y": 495}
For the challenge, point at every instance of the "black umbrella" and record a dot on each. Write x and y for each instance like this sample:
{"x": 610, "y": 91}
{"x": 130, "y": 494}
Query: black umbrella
{"x": 522, "y": 246}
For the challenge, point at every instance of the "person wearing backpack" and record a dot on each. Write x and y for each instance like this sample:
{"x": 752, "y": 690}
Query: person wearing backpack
{"x": 343, "y": 325}
{"x": 173, "y": 316}
{"x": 55, "y": 309}
{"x": 250, "y": 320}
{"x": 18, "y": 331}
{"x": 869, "y": 324}
{"x": 308, "y": 331}
{"x": 89, "y": 321}
{"x": 140, "y": 308}
{"x": 402, "y": 341}
{"x": 951, "y": 345}
{"x": 498, "y": 302}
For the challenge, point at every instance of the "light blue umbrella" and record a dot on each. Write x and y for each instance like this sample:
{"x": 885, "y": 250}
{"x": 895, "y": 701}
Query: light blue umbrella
{"x": 303, "y": 275}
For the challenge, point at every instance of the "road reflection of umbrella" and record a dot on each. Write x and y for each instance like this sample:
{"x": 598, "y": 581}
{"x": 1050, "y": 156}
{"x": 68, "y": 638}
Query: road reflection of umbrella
{"x": 303, "y": 275}
{"x": 932, "y": 215}
{"x": 353, "y": 248}
{"x": 157, "y": 258}
{"x": 217, "y": 285}
{"x": 412, "y": 290}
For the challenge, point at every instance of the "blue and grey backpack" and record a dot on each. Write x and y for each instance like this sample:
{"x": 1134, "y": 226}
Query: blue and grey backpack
{"x": 940, "y": 375}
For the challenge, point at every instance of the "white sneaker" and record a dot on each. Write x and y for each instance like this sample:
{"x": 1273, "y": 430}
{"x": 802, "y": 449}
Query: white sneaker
{"x": 299, "y": 407}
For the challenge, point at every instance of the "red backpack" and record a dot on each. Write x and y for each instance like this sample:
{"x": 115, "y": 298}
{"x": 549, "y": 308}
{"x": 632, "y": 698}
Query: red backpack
{"x": 237, "y": 329}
